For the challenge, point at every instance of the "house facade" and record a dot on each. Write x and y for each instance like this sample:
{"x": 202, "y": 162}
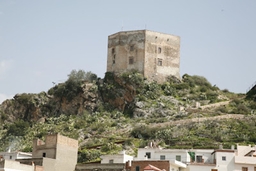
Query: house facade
{"x": 56, "y": 153}
{"x": 115, "y": 162}
{"x": 13, "y": 155}
{"x": 241, "y": 159}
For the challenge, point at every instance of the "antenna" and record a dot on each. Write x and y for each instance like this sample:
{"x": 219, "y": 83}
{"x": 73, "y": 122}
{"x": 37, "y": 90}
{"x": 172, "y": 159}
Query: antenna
{"x": 122, "y": 26}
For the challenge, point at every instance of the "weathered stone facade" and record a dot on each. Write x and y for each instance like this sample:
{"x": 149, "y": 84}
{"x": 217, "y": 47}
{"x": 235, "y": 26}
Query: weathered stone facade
{"x": 155, "y": 55}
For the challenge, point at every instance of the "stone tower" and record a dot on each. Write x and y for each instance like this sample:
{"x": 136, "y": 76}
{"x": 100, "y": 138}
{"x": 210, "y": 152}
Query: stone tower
{"x": 155, "y": 55}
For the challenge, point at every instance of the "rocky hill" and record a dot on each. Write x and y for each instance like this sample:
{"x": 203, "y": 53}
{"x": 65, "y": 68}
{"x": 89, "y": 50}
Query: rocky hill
{"x": 126, "y": 112}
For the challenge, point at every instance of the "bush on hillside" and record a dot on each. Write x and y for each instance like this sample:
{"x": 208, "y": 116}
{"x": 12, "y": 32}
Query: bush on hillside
{"x": 18, "y": 128}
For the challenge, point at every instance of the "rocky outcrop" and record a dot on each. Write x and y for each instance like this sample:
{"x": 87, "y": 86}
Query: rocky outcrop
{"x": 34, "y": 107}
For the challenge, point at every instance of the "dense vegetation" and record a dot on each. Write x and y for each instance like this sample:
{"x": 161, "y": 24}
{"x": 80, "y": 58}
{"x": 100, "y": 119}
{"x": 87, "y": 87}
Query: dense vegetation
{"x": 150, "y": 112}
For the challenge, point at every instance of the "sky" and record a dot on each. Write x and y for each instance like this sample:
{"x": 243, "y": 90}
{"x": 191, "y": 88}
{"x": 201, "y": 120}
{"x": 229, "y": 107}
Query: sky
{"x": 41, "y": 42}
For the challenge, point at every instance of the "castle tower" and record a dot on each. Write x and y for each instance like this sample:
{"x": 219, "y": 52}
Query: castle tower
{"x": 155, "y": 55}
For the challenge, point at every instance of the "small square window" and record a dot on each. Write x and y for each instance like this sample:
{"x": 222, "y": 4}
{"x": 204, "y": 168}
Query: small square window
{"x": 162, "y": 157}
{"x": 199, "y": 159}
{"x": 244, "y": 168}
{"x": 44, "y": 154}
{"x": 111, "y": 161}
{"x": 137, "y": 168}
{"x": 10, "y": 157}
{"x": 223, "y": 158}
{"x": 131, "y": 60}
{"x": 148, "y": 154}
{"x": 160, "y": 62}
{"x": 178, "y": 158}
{"x": 113, "y": 50}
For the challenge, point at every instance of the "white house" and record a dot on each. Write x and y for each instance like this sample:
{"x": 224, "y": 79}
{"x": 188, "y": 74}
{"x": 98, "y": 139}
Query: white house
{"x": 241, "y": 159}
{"x": 177, "y": 157}
{"x": 116, "y": 158}
{"x": 15, "y": 155}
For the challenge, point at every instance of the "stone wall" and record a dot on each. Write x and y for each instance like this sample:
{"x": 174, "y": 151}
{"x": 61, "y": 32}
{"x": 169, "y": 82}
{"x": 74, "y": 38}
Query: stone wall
{"x": 126, "y": 51}
{"x": 162, "y": 56}
{"x": 155, "y": 55}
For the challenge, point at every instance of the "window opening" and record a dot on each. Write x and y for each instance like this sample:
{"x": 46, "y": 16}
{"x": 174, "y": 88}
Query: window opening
{"x": 162, "y": 157}
{"x": 199, "y": 159}
{"x": 113, "y": 50}
{"x": 111, "y": 161}
{"x": 10, "y": 157}
{"x": 137, "y": 168}
{"x": 148, "y": 154}
{"x": 223, "y": 158}
{"x": 159, "y": 50}
{"x": 114, "y": 59}
{"x": 44, "y": 154}
{"x": 160, "y": 62}
{"x": 131, "y": 60}
{"x": 178, "y": 158}
{"x": 244, "y": 168}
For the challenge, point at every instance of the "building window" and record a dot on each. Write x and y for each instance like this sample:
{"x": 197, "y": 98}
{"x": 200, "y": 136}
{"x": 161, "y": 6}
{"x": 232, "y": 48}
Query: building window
{"x": 162, "y": 157}
{"x": 199, "y": 159}
{"x": 244, "y": 168}
{"x": 132, "y": 48}
{"x": 223, "y": 158}
{"x": 137, "y": 168}
{"x": 113, "y": 50}
{"x": 111, "y": 161}
{"x": 10, "y": 157}
{"x": 159, "y": 50}
{"x": 178, "y": 158}
{"x": 214, "y": 170}
{"x": 148, "y": 154}
{"x": 44, "y": 154}
{"x": 131, "y": 60}
{"x": 159, "y": 62}
{"x": 114, "y": 59}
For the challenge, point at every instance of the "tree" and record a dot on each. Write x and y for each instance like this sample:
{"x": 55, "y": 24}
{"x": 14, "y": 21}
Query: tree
{"x": 81, "y": 75}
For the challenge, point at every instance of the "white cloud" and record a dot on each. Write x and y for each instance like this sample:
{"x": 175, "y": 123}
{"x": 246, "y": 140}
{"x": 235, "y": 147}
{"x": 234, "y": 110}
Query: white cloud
{"x": 3, "y": 97}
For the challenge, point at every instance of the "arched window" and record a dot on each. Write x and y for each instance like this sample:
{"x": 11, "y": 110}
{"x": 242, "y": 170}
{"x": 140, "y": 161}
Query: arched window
{"x": 159, "y": 50}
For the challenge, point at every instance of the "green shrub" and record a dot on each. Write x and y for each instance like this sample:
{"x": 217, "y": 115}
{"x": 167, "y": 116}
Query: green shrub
{"x": 18, "y": 128}
{"x": 88, "y": 155}
{"x": 182, "y": 86}
{"x": 152, "y": 90}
